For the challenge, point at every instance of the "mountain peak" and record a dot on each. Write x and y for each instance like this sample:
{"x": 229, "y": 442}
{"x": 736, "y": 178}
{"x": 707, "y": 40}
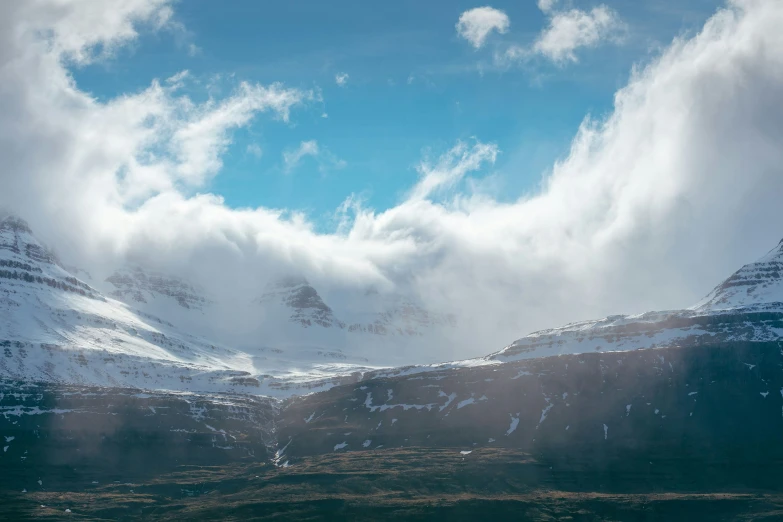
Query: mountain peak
{"x": 25, "y": 262}
{"x": 19, "y": 244}
{"x": 296, "y": 294}
{"x": 757, "y": 283}
{"x": 14, "y": 224}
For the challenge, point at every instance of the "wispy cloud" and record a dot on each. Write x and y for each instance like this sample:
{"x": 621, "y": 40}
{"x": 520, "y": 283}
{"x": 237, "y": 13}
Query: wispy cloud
{"x": 341, "y": 79}
{"x": 476, "y": 24}
{"x": 254, "y": 149}
{"x": 292, "y": 158}
{"x": 452, "y": 167}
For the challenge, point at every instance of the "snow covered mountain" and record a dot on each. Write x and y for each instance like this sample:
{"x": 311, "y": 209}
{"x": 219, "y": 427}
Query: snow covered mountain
{"x": 56, "y": 328}
{"x": 289, "y": 320}
{"x": 747, "y": 306}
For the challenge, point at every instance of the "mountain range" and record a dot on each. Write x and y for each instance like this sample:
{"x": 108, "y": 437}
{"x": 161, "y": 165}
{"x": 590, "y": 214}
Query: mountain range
{"x": 109, "y": 371}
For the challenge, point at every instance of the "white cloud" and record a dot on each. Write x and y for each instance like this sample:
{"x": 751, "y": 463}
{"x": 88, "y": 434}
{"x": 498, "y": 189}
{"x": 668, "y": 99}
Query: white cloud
{"x": 83, "y": 31}
{"x": 567, "y": 32}
{"x": 326, "y": 160}
{"x": 341, "y": 79}
{"x": 574, "y": 29}
{"x": 475, "y": 24}
{"x": 451, "y": 167}
{"x": 546, "y": 5}
{"x": 676, "y": 188}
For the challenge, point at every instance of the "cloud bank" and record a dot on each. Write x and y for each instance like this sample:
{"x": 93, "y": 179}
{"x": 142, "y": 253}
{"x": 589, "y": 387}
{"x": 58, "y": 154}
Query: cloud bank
{"x": 652, "y": 205}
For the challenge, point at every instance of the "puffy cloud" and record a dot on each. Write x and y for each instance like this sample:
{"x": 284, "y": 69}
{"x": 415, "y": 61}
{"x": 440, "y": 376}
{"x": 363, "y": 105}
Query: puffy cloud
{"x": 653, "y": 205}
{"x": 567, "y": 32}
{"x": 574, "y": 29}
{"x": 341, "y": 79}
{"x": 475, "y": 24}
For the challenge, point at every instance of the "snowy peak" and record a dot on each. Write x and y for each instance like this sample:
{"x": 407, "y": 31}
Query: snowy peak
{"x": 746, "y": 307}
{"x": 758, "y": 283}
{"x": 136, "y": 286}
{"x": 367, "y": 312}
{"x": 17, "y": 242}
{"x": 24, "y": 261}
{"x": 296, "y": 295}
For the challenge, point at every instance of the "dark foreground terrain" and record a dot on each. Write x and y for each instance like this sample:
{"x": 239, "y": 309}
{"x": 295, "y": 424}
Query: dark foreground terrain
{"x": 665, "y": 434}
{"x": 412, "y": 484}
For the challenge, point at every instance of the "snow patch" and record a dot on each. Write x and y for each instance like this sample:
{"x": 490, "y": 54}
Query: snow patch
{"x": 545, "y": 411}
{"x": 466, "y": 402}
{"x": 514, "y": 423}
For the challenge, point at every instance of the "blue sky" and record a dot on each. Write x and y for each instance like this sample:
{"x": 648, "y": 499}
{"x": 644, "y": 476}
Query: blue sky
{"x": 414, "y": 88}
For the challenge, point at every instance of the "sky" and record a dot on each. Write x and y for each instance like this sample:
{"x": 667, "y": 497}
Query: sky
{"x": 520, "y": 164}
{"x": 396, "y": 82}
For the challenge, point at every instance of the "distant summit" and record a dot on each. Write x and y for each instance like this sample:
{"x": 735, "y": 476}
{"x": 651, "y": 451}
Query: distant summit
{"x": 135, "y": 285}
{"x": 746, "y": 307}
